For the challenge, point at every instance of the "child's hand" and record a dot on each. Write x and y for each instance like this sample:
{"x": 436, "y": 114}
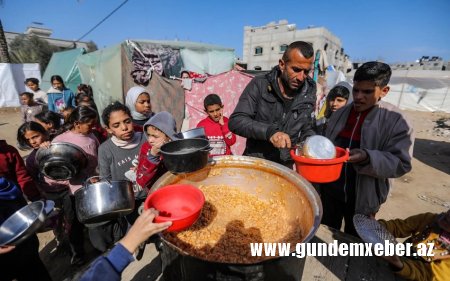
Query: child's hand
{"x": 45, "y": 144}
{"x": 221, "y": 122}
{"x": 142, "y": 229}
{"x": 357, "y": 155}
{"x": 156, "y": 148}
{"x": 6, "y": 249}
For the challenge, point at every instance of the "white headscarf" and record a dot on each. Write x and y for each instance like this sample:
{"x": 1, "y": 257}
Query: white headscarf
{"x": 130, "y": 101}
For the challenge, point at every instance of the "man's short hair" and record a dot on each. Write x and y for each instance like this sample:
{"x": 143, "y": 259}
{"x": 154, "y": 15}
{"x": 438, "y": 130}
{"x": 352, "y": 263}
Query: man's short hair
{"x": 377, "y": 72}
{"x": 304, "y": 48}
{"x": 212, "y": 99}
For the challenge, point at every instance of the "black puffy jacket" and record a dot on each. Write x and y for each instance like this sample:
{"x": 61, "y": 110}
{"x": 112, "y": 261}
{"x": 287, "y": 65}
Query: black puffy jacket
{"x": 260, "y": 113}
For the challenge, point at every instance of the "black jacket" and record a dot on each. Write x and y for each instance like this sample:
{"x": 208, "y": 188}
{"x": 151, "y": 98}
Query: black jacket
{"x": 261, "y": 112}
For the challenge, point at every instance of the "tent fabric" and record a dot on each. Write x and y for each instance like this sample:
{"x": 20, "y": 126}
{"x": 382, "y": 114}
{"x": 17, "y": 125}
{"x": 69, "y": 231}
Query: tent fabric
{"x": 12, "y": 77}
{"x": 229, "y": 86}
{"x": 165, "y": 94}
{"x": 65, "y": 65}
{"x": 102, "y": 70}
{"x": 419, "y": 90}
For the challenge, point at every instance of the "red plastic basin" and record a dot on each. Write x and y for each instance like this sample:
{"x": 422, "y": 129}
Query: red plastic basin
{"x": 320, "y": 170}
{"x": 179, "y": 203}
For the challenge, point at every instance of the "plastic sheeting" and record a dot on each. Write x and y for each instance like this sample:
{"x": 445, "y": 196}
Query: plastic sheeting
{"x": 102, "y": 70}
{"x": 65, "y": 65}
{"x": 12, "y": 77}
{"x": 229, "y": 87}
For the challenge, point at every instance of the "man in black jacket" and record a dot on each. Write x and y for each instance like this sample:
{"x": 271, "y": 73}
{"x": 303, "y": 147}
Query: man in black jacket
{"x": 275, "y": 110}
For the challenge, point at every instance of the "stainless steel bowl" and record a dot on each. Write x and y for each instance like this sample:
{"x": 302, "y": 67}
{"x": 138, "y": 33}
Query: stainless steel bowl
{"x": 61, "y": 161}
{"x": 22, "y": 224}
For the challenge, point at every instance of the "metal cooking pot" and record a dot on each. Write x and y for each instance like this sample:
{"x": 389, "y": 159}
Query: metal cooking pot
{"x": 103, "y": 200}
{"x": 192, "y": 134}
{"x": 186, "y": 155}
{"x": 23, "y": 223}
{"x": 61, "y": 161}
{"x": 261, "y": 178}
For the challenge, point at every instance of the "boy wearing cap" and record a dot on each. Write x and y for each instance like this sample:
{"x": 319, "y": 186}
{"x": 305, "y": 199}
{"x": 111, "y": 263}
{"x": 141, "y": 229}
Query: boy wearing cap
{"x": 380, "y": 140}
{"x": 216, "y": 126}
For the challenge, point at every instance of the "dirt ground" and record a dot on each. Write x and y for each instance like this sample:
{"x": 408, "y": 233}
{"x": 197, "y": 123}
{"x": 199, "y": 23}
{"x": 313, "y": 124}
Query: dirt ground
{"x": 425, "y": 189}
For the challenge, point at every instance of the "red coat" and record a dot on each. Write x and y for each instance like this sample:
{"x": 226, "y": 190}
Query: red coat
{"x": 216, "y": 134}
{"x": 147, "y": 172}
{"x": 13, "y": 168}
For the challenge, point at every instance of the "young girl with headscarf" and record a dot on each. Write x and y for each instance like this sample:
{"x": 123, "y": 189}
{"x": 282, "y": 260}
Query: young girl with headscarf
{"x": 138, "y": 101}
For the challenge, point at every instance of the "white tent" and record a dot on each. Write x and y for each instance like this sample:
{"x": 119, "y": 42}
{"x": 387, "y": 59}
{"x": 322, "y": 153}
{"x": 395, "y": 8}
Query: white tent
{"x": 12, "y": 77}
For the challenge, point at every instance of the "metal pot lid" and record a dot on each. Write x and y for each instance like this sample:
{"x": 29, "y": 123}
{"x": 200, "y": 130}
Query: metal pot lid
{"x": 319, "y": 147}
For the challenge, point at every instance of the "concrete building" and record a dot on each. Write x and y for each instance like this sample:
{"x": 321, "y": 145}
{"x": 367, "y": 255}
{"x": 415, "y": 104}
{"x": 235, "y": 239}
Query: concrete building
{"x": 264, "y": 45}
{"x": 424, "y": 63}
{"x": 45, "y": 33}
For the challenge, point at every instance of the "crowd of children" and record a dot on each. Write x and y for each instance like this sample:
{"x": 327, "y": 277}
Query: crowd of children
{"x": 127, "y": 147}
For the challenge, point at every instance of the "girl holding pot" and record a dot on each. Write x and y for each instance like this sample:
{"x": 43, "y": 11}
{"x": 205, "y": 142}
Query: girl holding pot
{"x": 118, "y": 158}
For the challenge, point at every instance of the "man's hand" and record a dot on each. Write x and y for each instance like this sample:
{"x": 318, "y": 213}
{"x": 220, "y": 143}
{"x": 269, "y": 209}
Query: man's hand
{"x": 142, "y": 229}
{"x": 281, "y": 140}
{"x": 357, "y": 155}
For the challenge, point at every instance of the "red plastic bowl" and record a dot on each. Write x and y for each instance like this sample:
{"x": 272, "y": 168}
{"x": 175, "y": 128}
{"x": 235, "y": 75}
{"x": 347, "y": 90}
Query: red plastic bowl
{"x": 320, "y": 170}
{"x": 179, "y": 203}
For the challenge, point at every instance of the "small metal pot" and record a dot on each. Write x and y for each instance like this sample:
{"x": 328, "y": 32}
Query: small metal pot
{"x": 103, "y": 200}
{"x": 185, "y": 156}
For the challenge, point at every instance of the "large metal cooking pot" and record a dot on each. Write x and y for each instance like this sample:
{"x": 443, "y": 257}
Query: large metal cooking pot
{"x": 186, "y": 155}
{"x": 22, "y": 224}
{"x": 61, "y": 161}
{"x": 248, "y": 174}
{"x": 103, "y": 200}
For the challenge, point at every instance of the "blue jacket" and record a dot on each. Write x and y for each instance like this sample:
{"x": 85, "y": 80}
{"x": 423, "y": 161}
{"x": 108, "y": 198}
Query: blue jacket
{"x": 67, "y": 96}
{"x": 110, "y": 267}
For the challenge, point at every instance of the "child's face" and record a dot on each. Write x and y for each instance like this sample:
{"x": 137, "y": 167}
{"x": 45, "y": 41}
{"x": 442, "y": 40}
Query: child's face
{"x": 337, "y": 103}
{"x": 215, "y": 112}
{"x": 85, "y": 128}
{"x": 366, "y": 95}
{"x": 34, "y": 138}
{"x": 26, "y": 100}
{"x": 444, "y": 221}
{"x": 57, "y": 85}
{"x": 156, "y": 138}
{"x": 143, "y": 104}
{"x": 120, "y": 125}
{"x": 32, "y": 86}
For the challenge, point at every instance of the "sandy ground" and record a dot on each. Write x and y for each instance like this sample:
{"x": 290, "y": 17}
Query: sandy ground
{"x": 425, "y": 189}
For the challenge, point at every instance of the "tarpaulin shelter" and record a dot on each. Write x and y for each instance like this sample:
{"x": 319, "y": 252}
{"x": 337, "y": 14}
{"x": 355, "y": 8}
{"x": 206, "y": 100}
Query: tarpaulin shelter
{"x": 420, "y": 90}
{"x": 12, "y": 78}
{"x": 65, "y": 65}
{"x": 229, "y": 87}
{"x": 112, "y": 71}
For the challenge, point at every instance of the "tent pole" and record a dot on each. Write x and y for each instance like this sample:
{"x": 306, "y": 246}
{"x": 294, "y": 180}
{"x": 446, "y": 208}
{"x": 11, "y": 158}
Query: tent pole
{"x": 443, "y": 101}
{"x": 401, "y": 91}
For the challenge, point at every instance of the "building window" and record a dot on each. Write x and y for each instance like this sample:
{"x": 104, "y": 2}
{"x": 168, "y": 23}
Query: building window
{"x": 258, "y": 68}
{"x": 283, "y": 48}
{"x": 258, "y": 51}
